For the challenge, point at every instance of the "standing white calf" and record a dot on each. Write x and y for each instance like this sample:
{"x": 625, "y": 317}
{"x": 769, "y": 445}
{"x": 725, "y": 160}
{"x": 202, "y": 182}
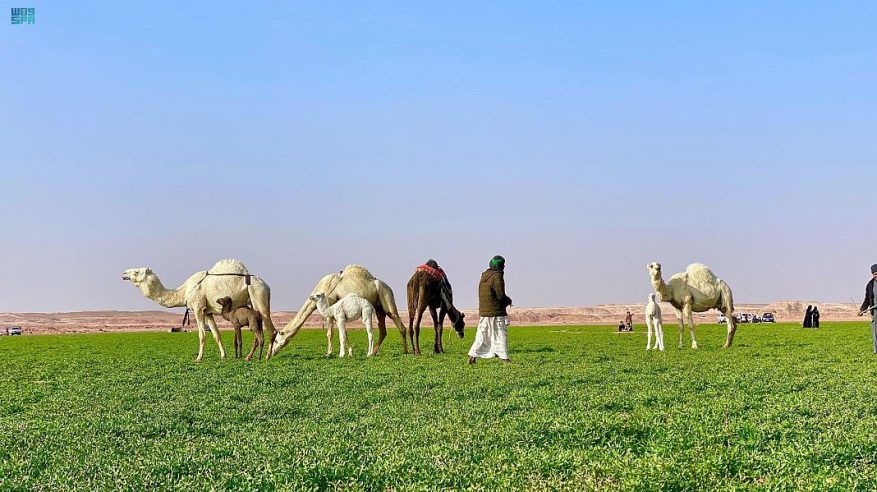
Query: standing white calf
{"x": 349, "y": 308}
{"x": 653, "y": 322}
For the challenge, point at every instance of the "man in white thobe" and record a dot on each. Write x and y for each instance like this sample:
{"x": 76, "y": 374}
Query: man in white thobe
{"x": 491, "y": 339}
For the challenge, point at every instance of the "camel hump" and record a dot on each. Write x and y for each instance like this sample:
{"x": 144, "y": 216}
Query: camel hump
{"x": 699, "y": 272}
{"x": 228, "y": 265}
{"x": 357, "y": 271}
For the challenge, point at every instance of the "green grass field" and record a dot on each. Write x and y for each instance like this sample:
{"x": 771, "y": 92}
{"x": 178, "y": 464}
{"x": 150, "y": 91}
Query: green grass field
{"x": 580, "y": 408}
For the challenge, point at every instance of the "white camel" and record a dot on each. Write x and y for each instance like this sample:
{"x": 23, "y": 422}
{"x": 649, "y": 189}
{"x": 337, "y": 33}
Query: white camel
{"x": 697, "y": 289}
{"x": 654, "y": 323}
{"x": 354, "y": 279}
{"x": 349, "y": 308}
{"x": 227, "y": 278}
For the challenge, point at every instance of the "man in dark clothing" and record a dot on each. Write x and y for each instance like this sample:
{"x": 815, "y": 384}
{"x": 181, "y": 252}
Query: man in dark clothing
{"x": 868, "y": 304}
{"x": 491, "y": 339}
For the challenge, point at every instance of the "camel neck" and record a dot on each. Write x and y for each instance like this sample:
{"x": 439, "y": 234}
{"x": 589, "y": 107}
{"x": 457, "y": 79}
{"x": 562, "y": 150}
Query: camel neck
{"x": 153, "y": 289}
{"x": 323, "y": 308}
{"x": 659, "y": 286}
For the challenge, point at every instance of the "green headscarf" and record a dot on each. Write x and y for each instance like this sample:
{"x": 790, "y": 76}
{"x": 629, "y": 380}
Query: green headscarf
{"x": 497, "y": 262}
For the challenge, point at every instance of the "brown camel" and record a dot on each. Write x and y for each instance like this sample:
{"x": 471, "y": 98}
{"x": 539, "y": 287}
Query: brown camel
{"x": 429, "y": 288}
{"x": 240, "y": 317}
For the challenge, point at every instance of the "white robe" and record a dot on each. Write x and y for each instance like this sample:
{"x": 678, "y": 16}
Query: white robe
{"x": 491, "y": 339}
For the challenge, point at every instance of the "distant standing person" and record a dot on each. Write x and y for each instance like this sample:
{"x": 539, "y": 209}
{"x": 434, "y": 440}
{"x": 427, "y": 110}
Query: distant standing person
{"x": 868, "y": 304}
{"x": 628, "y": 321}
{"x": 815, "y": 317}
{"x": 808, "y": 317}
{"x": 491, "y": 339}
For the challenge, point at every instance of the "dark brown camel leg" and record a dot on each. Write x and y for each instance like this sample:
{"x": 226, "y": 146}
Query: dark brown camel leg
{"x": 256, "y": 328}
{"x": 414, "y": 331}
{"x": 412, "y": 313}
{"x": 437, "y": 346}
{"x": 441, "y": 323}
{"x": 238, "y": 340}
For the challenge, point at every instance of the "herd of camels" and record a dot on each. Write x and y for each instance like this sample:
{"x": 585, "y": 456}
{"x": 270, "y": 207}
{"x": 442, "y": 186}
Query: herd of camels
{"x": 696, "y": 289}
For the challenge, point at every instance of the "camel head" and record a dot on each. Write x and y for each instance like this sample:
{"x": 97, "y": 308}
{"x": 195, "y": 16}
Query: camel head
{"x": 655, "y": 270}
{"x": 137, "y": 275}
{"x": 226, "y": 303}
{"x": 319, "y": 297}
{"x": 652, "y": 297}
{"x": 459, "y": 325}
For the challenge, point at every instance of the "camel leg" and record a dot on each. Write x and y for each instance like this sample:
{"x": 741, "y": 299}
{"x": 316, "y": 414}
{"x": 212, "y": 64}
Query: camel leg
{"x": 441, "y": 322}
{"x": 401, "y": 326}
{"x": 681, "y": 326}
{"x": 690, "y": 318}
{"x": 342, "y": 338}
{"x": 215, "y": 331}
{"x": 260, "y": 298}
{"x": 329, "y": 327}
{"x": 437, "y": 346}
{"x": 202, "y": 335}
{"x": 648, "y": 333}
{"x": 412, "y": 313}
{"x": 238, "y": 340}
{"x": 414, "y": 331}
{"x": 257, "y": 336}
{"x": 732, "y": 328}
{"x": 658, "y": 333}
{"x": 371, "y": 337}
{"x": 388, "y": 305}
{"x": 258, "y": 341}
{"x": 382, "y": 329}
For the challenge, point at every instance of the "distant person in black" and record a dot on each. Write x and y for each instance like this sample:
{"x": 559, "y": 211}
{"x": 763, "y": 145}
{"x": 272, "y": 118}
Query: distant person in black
{"x": 815, "y": 316}
{"x": 808, "y": 317}
{"x": 869, "y": 302}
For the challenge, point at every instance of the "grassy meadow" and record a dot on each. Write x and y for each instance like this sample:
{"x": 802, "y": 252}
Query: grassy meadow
{"x": 581, "y": 407}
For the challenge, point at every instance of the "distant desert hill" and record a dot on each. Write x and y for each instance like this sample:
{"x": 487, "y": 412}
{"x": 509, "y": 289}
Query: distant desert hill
{"x": 116, "y": 321}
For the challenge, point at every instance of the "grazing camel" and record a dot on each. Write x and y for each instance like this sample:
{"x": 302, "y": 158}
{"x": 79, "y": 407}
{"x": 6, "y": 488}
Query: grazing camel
{"x": 243, "y": 316}
{"x": 199, "y": 292}
{"x": 654, "y": 323}
{"x": 354, "y": 279}
{"x": 349, "y": 308}
{"x": 697, "y": 289}
{"x": 429, "y": 287}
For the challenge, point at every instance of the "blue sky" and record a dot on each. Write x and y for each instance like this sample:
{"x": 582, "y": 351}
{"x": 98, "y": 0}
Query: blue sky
{"x": 581, "y": 141}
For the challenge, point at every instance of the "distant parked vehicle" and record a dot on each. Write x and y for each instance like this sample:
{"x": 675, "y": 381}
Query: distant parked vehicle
{"x": 768, "y": 318}
{"x": 721, "y": 319}
{"x": 13, "y": 330}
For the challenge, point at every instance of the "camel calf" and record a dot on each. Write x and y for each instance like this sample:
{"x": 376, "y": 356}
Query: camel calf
{"x": 243, "y": 316}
